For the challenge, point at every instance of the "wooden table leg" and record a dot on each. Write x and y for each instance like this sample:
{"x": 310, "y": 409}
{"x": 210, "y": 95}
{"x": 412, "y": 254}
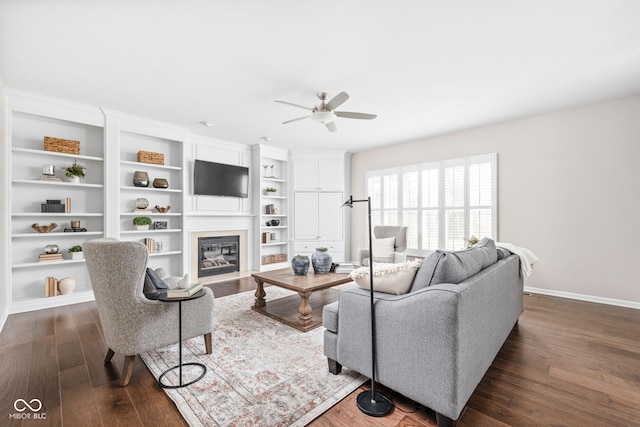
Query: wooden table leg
{"x": 260, "y": 294}
{"x": 305, "y": 309}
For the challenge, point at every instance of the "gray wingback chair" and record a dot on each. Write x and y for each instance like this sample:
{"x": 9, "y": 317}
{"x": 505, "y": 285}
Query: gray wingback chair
{"x": 386, "y": 231}
{"x": 133, "y": 324}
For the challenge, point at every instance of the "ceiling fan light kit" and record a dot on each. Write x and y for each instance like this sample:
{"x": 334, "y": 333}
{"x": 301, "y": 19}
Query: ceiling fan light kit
{"x": 325, "y": 113}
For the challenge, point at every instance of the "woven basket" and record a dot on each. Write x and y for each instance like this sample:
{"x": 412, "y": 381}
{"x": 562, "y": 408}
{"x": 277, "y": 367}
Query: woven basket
{"x": 268, "y": 259}
{"x": 150, "y": 157}
{"x": 67, "y": 146}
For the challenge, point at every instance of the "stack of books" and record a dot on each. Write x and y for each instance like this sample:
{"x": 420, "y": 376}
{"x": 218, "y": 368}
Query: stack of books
{"x": 150, "y": 244}
{"x": 50, "y": 287}
{"x": 49, "y": 257}
{"x": 50, "y": 178}
{"x": 345, "y": 267}
{"x": 184, "y": 293}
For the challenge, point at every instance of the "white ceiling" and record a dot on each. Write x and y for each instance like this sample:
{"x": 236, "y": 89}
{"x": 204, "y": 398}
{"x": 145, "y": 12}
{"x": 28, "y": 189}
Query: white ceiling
{"x": 424, "y": 67}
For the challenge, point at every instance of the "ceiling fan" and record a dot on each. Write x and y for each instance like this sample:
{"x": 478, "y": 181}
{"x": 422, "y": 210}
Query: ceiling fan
{"x": 325, "y": 112}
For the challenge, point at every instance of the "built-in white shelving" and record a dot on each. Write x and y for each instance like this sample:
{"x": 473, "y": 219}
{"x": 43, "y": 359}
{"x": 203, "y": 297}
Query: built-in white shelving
{"x": 30, "y": 122}
{"x": 270, "y": 169}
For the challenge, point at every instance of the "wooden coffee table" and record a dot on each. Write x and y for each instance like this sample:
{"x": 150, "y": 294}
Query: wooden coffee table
{"x": 308, "y": 314}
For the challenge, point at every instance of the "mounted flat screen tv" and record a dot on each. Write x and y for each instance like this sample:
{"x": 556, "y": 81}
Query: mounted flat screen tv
{"x": 219, "y": 179}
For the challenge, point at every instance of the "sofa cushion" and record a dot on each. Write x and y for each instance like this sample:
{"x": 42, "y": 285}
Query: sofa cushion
{"x": 330, "y": 317}
{"x": 455, "y": 267}
{"x": 388, "y": 278}
{"x": 153, "y": 285}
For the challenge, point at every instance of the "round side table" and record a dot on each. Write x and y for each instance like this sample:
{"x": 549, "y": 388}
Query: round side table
{"x": 163, "y": 298}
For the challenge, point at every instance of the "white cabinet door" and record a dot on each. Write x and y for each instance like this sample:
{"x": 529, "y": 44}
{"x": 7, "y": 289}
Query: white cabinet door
{"x": 318, "y": 174}
{"x": 305, "y": 174}
{"x": 305, "y": 216}
{"x": 330, "y": 215}
{"x": 331, "y": 174}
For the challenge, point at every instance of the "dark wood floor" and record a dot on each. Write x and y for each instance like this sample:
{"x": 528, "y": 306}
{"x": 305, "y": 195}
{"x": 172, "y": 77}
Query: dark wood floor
{"x": 566, "y": 363}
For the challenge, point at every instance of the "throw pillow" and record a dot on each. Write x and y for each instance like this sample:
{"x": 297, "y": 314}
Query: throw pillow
{"x": 383, "y": 249}
{"x": 388, "y": 278}
{"x": 153, "y": 285}
{"x": 455, "y": 267}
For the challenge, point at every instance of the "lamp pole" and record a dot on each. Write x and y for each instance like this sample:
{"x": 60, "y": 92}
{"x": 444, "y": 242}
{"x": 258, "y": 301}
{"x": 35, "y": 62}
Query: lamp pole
{"x": 371, "y": 402}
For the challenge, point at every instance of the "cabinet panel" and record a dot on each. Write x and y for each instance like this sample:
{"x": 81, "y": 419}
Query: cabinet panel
{"x": 306, "y": 216}
{"x": 318, "y": 174}
{"x": 331, "y": 174}
{"x": 330, "y": 216}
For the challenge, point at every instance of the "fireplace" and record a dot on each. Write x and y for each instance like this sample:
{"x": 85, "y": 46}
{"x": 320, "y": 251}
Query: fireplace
{"x": 218, "y": 255}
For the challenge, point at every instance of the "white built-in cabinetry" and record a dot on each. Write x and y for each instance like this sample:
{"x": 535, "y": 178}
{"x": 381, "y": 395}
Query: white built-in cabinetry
{"x": 30, "y": 120}
{"x": 270, "y": 170}
{"x": 319, "y": 173}
{"x": 319, "y": 192}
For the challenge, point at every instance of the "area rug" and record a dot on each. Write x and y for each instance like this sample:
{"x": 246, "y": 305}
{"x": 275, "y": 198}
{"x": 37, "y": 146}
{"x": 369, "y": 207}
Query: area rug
{"x": 261, "y": 372}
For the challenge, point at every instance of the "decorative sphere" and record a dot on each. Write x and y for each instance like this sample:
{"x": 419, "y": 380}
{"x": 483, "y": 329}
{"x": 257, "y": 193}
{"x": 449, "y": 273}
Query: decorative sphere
{"x": 142, "y": 203}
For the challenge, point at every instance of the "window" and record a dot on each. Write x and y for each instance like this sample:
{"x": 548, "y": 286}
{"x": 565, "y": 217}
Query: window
{"x": 441, "y": 203}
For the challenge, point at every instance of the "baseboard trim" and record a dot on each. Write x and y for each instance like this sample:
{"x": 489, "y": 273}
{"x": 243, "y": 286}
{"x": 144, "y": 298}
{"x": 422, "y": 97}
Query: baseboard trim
{"x": 582, "y": 297}
{"x": 3, "y": 320}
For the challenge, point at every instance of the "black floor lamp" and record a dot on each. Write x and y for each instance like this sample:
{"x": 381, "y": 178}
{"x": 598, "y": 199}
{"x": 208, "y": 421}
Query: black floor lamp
{"x": 371, "y": 402}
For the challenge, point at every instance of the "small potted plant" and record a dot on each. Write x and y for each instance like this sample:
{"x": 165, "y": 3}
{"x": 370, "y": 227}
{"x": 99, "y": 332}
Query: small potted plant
{"x": 75, "y": 172}
{"x": 269, "y": 191}
{"x": 76, "y": 252}
{"x": 472, "y": 241}
{"x": 142, "y": 222}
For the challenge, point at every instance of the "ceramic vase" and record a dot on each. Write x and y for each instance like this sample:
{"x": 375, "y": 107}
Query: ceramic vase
{"x": 140, "y": 179}
{"x": 77, "y": 255}
{"x": 66, "y": 285}
{"x": 321, "y": 261}
{"x": 300, "y": 265}
{"x": 160, "y": 183}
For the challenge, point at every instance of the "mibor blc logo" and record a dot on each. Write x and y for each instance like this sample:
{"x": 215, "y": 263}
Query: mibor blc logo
{"x": 28, "y": 410}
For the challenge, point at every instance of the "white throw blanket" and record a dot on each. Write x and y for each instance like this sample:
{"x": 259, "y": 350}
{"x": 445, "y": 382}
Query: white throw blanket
{"x": 527, "y": 258}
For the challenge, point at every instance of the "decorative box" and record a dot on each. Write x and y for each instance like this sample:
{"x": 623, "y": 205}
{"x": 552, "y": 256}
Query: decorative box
{"x": 160, "y": 225}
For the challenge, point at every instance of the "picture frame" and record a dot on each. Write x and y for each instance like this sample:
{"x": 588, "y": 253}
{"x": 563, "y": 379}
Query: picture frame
{"x": 160, "y": 225}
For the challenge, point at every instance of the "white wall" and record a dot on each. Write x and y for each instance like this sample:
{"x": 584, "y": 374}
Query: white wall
{"x": 4, "y": 195}
{"x": 568, "y": 189}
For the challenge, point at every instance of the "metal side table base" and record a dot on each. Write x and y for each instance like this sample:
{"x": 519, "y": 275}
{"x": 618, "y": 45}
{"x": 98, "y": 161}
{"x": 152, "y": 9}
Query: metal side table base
{"x": 179, "y": 366}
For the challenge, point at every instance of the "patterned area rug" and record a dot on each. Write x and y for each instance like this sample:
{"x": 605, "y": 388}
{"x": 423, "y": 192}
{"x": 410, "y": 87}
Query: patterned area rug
{"x": 261, "y": 372}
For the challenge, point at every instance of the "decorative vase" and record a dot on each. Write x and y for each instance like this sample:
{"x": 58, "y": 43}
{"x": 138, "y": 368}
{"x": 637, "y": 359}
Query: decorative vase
{"x": 321, "y": 261}
{"x": 142, "y": 227}
{"x": 74, "y": 179}
{"x": 140, "y": 179}
{"x": 160, "y": 183}
{"x": 66, "y": 285}
{"x": 300, "y": 265}
{"x": 51, "y": 249}
{"x": 77, "y": 255}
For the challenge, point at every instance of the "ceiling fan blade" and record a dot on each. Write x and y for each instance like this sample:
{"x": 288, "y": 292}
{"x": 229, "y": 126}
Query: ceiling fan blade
{"x": 337, "y": 101}
{"x": 295, "y": 120}
{"x": 295, "y": 105}
{"x": 331, "y": 126}
{"x": 350, "y": 115}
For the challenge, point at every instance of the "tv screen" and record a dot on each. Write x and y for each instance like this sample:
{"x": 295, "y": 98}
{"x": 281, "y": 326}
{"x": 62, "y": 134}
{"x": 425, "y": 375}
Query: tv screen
{"x": 219, "y": 179}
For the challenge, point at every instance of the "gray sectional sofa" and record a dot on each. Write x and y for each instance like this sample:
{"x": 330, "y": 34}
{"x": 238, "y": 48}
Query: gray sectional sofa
{"x": 434, "y": 343}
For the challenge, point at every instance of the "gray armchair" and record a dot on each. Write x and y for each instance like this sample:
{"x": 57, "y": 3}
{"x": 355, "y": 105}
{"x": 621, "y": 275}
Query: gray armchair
{"x": 386, "y": 231}
{"x": 131, "y": 323}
